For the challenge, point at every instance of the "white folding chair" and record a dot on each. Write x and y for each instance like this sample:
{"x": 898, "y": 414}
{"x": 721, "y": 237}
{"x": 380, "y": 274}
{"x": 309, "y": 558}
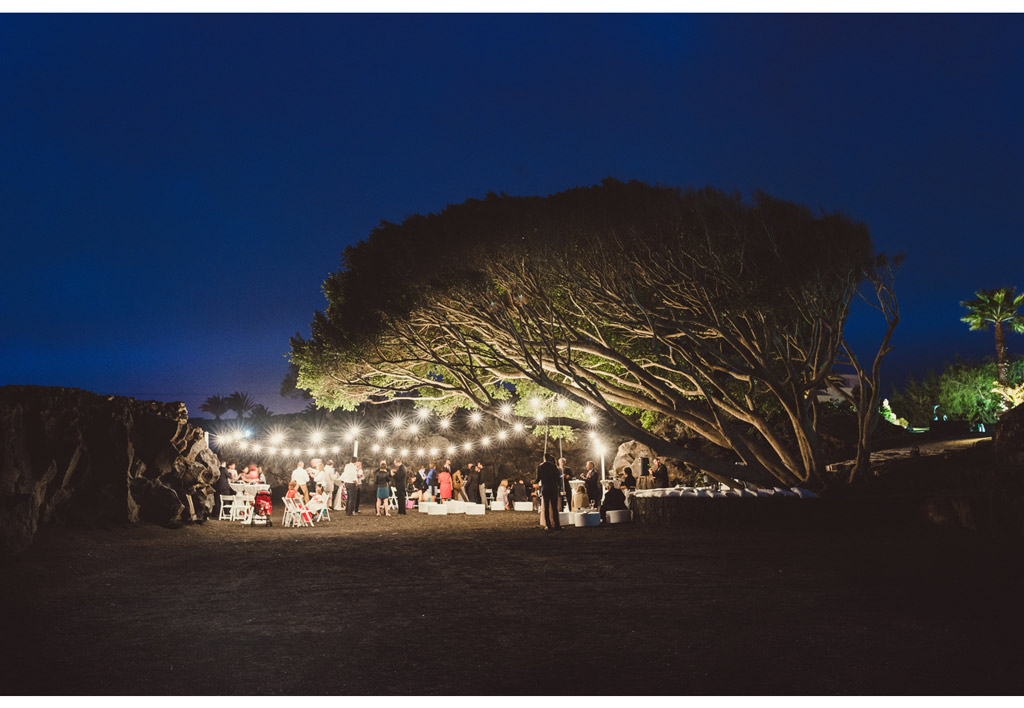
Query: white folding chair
{"x": 292, "y": 513}
{"x": 393, "y": 499}
{"x": 324, "y": 514}
{"x": 241, "y": 507}
{"x": 227, "y": 501}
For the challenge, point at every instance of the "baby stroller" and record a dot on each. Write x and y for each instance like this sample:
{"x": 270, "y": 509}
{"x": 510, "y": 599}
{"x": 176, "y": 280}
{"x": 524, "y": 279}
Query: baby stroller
{"x": 262, "y": 507}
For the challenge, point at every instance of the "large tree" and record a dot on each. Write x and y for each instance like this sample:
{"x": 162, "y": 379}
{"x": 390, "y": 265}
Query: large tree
{"x": 998, "y": 307}
{"x": 645, "y": 302}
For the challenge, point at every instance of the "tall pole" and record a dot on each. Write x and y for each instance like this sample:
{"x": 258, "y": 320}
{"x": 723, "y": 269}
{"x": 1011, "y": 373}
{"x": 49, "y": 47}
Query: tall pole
{"x": 355, "y": 448}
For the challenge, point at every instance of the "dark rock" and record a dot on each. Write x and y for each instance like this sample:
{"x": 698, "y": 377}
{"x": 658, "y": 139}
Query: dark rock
{"x": 72, "y": 457}
{"x": 1008, "y": 438}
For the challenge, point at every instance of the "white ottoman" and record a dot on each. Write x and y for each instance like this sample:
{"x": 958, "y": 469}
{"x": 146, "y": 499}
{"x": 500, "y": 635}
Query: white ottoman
{"x": 438, "y": 510}
{"x": 619, "y": 516}
{"x": 497, "y": 506}
{"x": 476, "y": 509}
{"x": 523, "y": 506}
{"x": 587, "y": 518}
{"x": 456, "y": 507}
{"x": 566, "y": 518}
{"x": 424, "y": 507}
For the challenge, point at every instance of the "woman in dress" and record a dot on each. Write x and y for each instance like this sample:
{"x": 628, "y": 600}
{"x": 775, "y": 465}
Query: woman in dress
{"x": 501, "y": 496}
{"x": 458, "y": 484}
{"x": 445, "y": 480}
{"x": 383, "y": 480}
{"x": 318, "y": 501}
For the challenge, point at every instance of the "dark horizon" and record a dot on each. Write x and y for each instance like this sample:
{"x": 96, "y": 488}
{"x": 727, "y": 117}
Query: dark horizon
{"x": 179, "y": 186}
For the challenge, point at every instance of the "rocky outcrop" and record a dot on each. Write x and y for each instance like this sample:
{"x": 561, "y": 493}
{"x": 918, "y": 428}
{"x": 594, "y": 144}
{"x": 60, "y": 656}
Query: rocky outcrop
{"x": 1008, "y": 438}
{"x": 72, "y": 457}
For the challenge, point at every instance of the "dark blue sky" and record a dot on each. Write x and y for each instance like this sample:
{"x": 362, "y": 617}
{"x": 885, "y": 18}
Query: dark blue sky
{"x": 174, "y": 189}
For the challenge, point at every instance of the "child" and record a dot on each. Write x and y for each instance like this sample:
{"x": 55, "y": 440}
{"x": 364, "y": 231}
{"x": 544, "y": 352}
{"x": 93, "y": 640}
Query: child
{"x": 293, "y": 493}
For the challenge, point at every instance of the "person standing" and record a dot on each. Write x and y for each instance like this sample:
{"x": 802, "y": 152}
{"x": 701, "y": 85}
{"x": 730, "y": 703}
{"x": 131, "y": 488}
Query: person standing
{"x": 329, "y": 484}
{"x": 382, "y": 478}
{"x": 550, "y": 479}
{"x": 301, "y": 479}
{"x": 401, "y": 483}
{"x": 566, "y": 487}
{"x": 431, "y": 480}
{"x": 445, "y": 480}
{"x": 350, "y": 478}
{"x": 592, "y": 481}
{"x": 481, "y": 486}
{"x": 458, "y": 493}
{"x": 472, "y": 485}
{"x": 660, "y": 474}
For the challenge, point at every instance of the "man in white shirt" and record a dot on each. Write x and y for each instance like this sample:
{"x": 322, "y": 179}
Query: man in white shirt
{"x": 350, "y": 478}
{"x": 301, "y": 478}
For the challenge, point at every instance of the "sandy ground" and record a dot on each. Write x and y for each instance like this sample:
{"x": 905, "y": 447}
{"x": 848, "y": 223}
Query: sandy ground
{"x": 494, "y": 605}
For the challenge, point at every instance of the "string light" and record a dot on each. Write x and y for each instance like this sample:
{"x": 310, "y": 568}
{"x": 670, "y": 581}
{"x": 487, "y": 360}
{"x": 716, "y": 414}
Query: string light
{"x": 518, "y": 427}
{"x": 468, "y": 446}
{"x": 445, "y": 423}
{"x": 376, "y": 448}
{"x": 423, "y": 413}
{"x": 451, "y": 449}
{"x": 420, "y": 452}
{"x": 396, "y": 422}
{"x": 506, "y": 409}
{"x": 434, "y": 451}
{"x": 475, "y": 417}
{"x": 403, "y": 453}
{"x": 485, "y": 441}
{"x": 502, "y": 435}
{"x": 388, "y": 450}
{"x": 382, "y": 433}
{"x": 335, "y": 450}
{"x": 414, "y": 429}
{"x": 277, "y": 438}
{"x": 316, "y": 437}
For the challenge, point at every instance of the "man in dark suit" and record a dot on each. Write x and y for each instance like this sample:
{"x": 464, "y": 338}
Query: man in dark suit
{"x": 660, "y": 473}
{"x": 550, "y": 479}
{"x": 471, "y": 484}
{"x": 613, "y": 499}
{"x": 401, "y": 480}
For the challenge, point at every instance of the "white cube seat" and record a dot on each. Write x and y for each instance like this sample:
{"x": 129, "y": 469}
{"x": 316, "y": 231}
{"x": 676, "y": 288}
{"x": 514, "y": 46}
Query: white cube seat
{"x": 566, "y": 518}
{"x": 587, "y": 518}
{"x": 497, "y": 506}
{"x": 424, "y": 506}
{"x": 456, "y": 507}
{"x": 476, "y": 509}
{"x": 523, "y": 506}
{"x": 618, "y": 516}
{"x": 438, "y": 510}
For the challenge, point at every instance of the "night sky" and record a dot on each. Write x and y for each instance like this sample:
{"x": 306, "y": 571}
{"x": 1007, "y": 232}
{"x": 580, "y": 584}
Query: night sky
{"x": 175, "y": 189}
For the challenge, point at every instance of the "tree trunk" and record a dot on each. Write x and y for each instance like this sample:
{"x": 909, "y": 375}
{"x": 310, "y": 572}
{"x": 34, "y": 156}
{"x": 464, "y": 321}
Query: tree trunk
{"x": 1001, "y": 364}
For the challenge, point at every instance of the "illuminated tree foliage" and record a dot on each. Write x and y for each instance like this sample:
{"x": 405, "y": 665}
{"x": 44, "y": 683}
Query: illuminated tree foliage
{"x": 643, "y": 302}
{"x": 998, "y": 307}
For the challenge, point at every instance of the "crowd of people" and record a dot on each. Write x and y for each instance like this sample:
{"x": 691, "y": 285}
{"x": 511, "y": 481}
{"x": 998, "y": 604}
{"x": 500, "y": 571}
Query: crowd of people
{"x": 321, "y": 487}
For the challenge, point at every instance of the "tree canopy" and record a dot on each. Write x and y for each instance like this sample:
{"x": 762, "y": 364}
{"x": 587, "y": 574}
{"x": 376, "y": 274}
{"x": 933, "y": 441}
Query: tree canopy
{"x": 644, "y": 302}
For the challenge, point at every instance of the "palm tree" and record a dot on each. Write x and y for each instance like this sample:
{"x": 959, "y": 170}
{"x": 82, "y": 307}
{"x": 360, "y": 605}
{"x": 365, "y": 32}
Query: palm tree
{"x": 240, "y": 403}
{"x": 215, "y": 406}
{"x": 998, "y": 307}
{"x": 261, "y": 413}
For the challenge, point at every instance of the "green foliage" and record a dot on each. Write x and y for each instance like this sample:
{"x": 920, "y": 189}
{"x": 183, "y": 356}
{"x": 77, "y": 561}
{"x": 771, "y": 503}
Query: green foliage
{"x": 963, "y": 391}
{"x": 997, "y": 306}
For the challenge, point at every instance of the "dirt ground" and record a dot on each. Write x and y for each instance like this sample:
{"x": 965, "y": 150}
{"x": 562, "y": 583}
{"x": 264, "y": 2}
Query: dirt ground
{"x": 494, "y": 605}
